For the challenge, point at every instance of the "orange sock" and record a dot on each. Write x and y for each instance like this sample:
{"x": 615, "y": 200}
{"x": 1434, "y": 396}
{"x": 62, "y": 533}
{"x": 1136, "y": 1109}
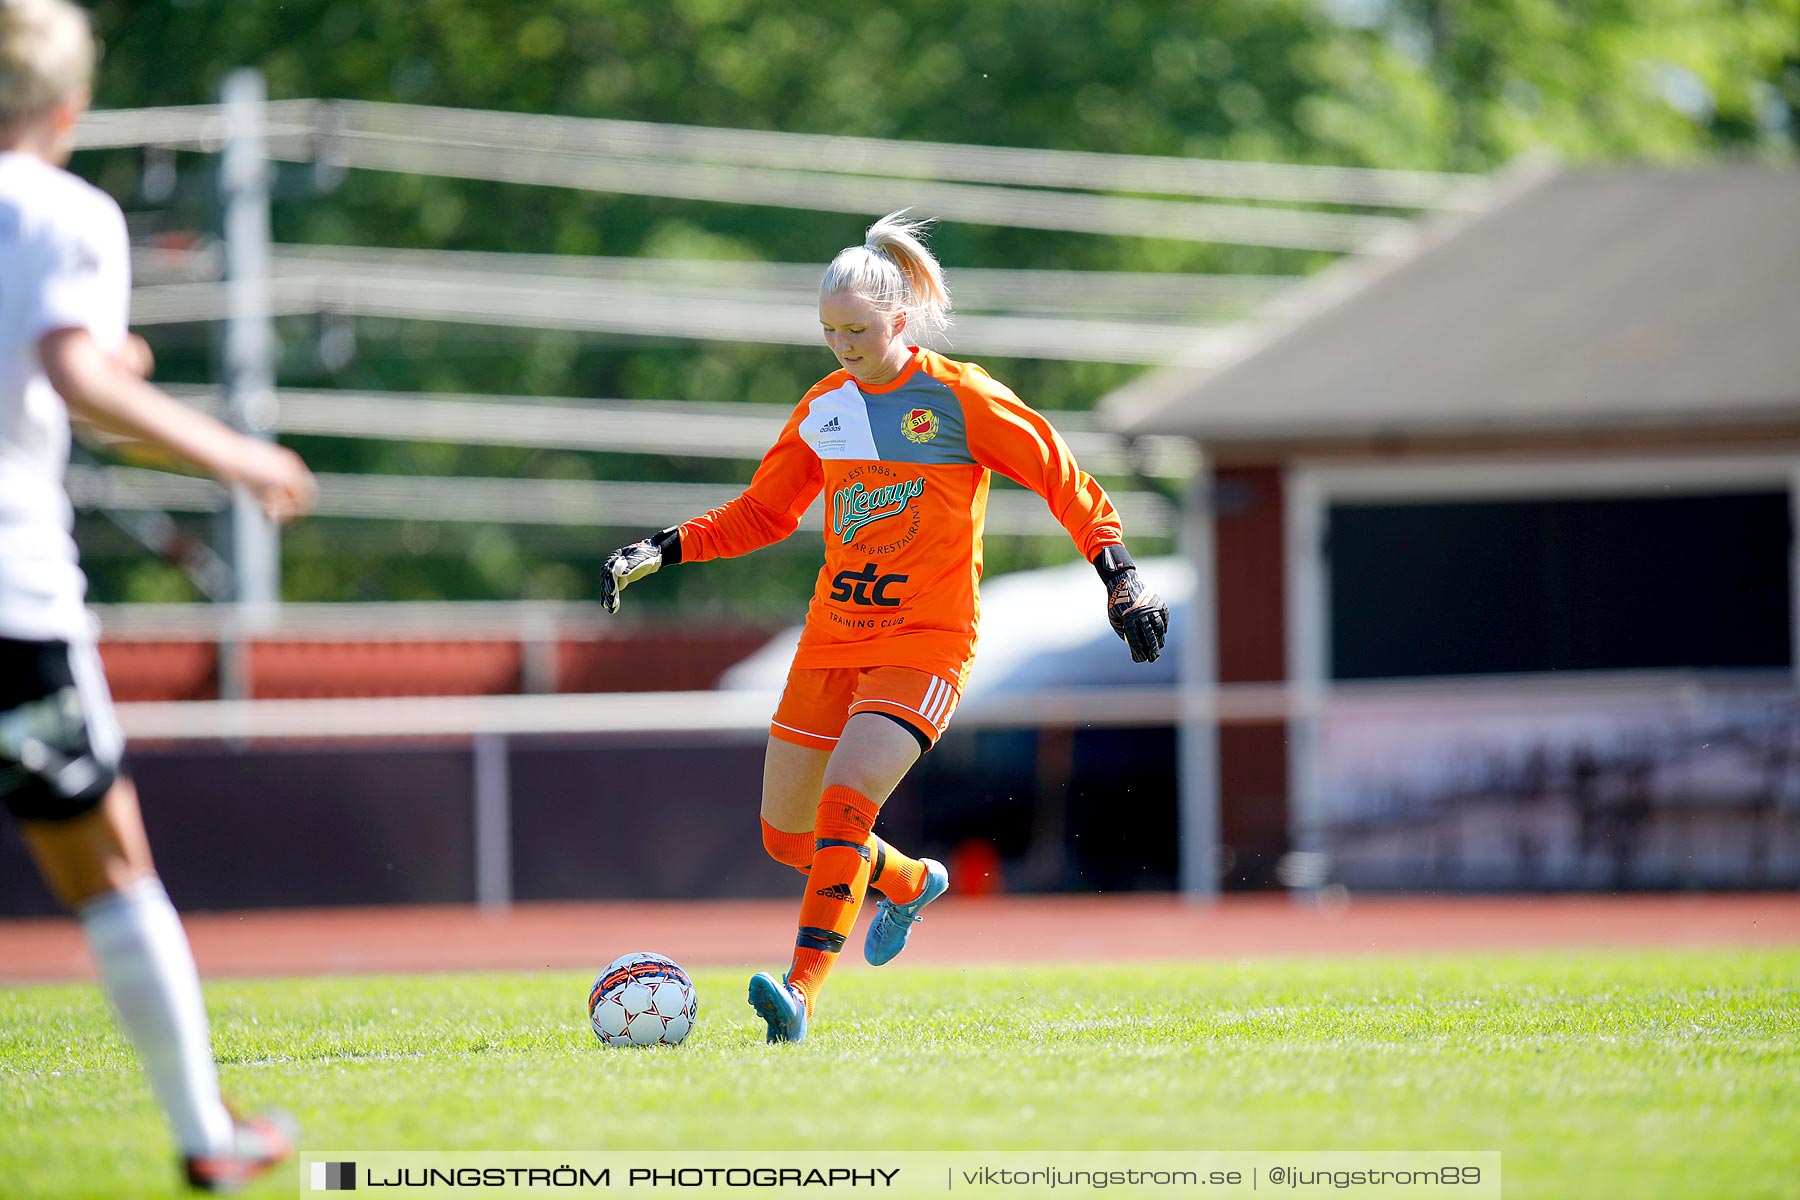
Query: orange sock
{"x": 900, "y": 878}
{"x": 794, "y": 849}
{"x": 835, "y": 887}
{"x": 897, "y": 876}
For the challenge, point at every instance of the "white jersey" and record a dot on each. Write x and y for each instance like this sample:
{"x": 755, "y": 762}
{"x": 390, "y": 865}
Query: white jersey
{"x": 64, "y": 264}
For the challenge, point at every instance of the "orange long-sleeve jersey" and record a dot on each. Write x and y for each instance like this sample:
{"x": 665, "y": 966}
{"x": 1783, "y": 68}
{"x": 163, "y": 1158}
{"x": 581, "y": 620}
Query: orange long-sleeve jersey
{"x": 905, "y": 467}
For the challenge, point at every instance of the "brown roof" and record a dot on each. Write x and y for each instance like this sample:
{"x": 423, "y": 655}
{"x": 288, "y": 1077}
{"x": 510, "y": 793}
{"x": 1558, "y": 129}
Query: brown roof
{"x": 1624, "y": 306}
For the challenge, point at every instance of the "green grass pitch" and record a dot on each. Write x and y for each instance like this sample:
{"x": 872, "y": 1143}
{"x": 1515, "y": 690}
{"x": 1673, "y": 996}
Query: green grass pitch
{"x": 1619, "y": 1073}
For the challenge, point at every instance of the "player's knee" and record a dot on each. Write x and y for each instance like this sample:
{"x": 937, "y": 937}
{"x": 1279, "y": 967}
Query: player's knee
{"x": 111, "y": 877}
{"x": 793, "y": 849}
{"x": 85, "y": 855}
{"x": 846, "y": 816}
{"x": 877, "y": 750}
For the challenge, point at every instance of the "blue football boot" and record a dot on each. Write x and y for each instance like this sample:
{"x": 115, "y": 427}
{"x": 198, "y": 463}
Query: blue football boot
{"x": 893, "y": 922}
{"x": 783, "y": 1007}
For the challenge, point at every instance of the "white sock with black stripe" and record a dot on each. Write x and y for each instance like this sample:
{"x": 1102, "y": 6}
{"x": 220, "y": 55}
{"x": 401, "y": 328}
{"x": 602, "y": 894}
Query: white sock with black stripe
{"x": 147, "y": 969}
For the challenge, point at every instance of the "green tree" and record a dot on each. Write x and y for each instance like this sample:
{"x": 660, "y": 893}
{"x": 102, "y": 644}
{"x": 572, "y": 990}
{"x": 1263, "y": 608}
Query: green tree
{"x": 1437, "y": 84}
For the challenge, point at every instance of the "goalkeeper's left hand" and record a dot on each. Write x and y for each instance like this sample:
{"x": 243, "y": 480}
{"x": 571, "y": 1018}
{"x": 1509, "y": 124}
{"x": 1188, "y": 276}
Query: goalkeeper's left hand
{"x": 1136, "y": 613}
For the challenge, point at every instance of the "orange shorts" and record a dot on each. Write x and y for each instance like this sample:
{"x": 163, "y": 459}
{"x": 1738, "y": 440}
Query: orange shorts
{"x": 817, "y": 703}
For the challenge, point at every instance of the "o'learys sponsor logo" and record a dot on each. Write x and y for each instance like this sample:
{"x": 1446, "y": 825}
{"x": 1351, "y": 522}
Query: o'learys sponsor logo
{"x": 856, "y": 506}
{"x": 919, "y": 425}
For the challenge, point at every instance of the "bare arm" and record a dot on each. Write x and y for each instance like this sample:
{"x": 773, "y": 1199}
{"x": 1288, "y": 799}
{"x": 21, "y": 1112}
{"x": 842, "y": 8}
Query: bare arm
{"x": 107, "y": 391}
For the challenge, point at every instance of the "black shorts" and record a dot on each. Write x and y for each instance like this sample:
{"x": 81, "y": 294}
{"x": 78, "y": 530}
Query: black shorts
{"x": 60, "y": 745}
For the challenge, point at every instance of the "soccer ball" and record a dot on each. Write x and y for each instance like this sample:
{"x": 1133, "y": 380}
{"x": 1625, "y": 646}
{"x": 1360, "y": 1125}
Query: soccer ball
{"x": 642, "y": 1000}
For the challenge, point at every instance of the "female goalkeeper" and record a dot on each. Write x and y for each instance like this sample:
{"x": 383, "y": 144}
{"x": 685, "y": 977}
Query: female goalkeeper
{"x": 903, "y": 441}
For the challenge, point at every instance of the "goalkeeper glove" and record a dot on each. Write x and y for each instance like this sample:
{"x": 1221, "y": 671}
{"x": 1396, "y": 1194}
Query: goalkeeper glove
{"x": 628, "y": 564}
{"x": 1136, "y": 613}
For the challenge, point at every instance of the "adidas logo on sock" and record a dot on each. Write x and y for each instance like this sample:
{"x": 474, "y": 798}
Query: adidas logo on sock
{"x": 837, "y": 891}
{"x": 830, "y": 426}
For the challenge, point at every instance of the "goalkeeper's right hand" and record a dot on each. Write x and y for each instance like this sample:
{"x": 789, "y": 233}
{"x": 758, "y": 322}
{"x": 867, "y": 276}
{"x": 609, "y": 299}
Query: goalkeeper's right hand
{"x": 628, "y": 564}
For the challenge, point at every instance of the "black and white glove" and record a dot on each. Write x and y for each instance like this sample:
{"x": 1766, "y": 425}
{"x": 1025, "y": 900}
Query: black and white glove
{"x": 1136, "y": 613}
{"x": 628, "y": 564}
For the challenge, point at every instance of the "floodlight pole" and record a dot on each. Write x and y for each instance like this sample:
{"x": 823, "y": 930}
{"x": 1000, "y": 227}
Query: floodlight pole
{"x": 1196, "y": 675}
{"x": 248, "y": 365}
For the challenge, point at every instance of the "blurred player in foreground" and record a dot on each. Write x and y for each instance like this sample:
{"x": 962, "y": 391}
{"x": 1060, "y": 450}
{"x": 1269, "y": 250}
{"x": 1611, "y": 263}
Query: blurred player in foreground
{"x": 64, "y": 350}
{"x": 904, "y": 440}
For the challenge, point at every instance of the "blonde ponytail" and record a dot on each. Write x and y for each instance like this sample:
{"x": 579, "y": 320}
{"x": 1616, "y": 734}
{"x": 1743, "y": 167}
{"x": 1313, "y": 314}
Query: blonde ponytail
{"x": 895, "y": 271}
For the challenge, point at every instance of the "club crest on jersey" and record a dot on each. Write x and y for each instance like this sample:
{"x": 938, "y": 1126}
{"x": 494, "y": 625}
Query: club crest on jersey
{"x": 919, "y": 425}
{"x": 856, "y": 506}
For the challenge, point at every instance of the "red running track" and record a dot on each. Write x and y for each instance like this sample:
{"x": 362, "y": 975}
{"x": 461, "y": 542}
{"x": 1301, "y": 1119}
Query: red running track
{"x": 998, "y": 929}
